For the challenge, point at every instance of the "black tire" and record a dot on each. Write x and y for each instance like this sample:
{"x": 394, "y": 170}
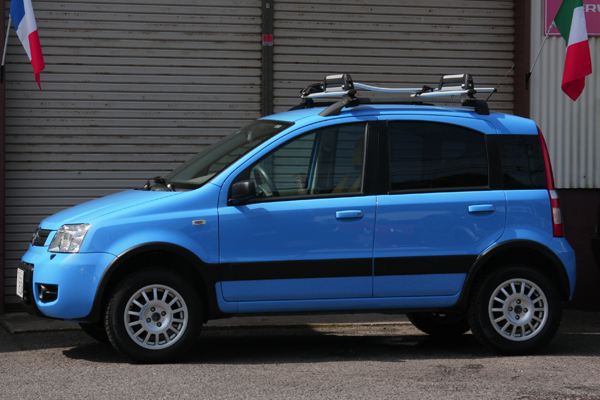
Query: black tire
{"x": 163, "y": 314}
{"x": 96, "y": 331}
{"x": 515, "y": 310}
{"x": 440, "y": 324}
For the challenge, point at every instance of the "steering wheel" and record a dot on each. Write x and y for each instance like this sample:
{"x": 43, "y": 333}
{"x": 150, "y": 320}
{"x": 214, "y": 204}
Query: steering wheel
{"x": 271, "y": 190}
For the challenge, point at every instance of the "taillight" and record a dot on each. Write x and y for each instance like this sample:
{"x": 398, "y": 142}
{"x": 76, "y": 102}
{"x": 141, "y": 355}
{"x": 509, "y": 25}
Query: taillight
{"x": 557, "y": 221}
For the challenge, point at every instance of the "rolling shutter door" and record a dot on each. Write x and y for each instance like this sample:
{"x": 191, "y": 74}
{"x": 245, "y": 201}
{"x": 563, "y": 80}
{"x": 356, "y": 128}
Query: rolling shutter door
{"x": 394, "y": 43}
{"x": 131, "y": 90}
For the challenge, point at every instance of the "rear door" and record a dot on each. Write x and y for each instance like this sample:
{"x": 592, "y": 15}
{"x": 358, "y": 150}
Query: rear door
{"x": 309, "y": 232}
{"x": 441, "y": 209}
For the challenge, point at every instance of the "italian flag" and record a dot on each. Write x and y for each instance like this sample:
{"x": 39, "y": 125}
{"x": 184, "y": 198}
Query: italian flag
{"x": 570, "y": 21}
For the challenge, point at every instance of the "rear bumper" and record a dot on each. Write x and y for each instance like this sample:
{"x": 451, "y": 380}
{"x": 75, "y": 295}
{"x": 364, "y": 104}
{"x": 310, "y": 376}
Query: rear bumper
{"x": 566, "y": 254}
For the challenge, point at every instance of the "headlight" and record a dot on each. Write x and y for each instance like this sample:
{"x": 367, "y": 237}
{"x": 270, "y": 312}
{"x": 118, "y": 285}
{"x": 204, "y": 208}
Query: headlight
{"x": 68, "y": 239}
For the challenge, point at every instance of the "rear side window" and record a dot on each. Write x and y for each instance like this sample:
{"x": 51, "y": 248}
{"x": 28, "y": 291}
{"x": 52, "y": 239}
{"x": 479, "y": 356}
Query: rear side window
{"x": 434, "y": 156}
{"x": 522, "y": 162}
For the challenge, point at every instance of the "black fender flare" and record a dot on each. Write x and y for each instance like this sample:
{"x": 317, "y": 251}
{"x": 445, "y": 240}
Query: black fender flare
{"x": 556, "y": 266}
{"x": 208, "y": 273}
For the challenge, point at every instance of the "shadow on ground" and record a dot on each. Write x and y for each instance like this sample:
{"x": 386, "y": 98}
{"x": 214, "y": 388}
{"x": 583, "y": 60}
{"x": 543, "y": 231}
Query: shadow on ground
{"x": 261, "y": 346}
{"x": 579, "y": 335}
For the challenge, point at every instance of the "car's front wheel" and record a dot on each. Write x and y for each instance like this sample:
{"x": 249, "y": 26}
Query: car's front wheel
{"x": 153, "y": 316}
{"x": 515, "y": 310}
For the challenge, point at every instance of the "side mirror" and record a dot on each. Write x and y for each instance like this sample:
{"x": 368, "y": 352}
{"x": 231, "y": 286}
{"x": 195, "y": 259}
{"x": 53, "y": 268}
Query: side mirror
{"x": 242, "y": 192}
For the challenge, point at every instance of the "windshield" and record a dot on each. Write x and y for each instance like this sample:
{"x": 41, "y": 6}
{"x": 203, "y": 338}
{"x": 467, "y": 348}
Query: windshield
{"x": 215, "y": 158}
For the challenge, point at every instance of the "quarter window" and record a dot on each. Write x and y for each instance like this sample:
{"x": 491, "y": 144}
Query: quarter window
{"x": 522, "y": 162}
{"x": 434, "y": 156}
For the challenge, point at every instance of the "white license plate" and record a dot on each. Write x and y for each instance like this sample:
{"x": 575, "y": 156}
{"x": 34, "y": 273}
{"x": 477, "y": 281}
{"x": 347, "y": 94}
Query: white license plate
{"x": 20, "y": 280}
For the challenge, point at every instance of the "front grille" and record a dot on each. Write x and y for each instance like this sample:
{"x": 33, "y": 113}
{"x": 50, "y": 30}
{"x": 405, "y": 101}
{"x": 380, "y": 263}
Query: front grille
{"x": 40, "y": 236}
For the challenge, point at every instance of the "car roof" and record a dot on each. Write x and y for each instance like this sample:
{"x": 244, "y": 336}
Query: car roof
{"x": 504, "y": 123}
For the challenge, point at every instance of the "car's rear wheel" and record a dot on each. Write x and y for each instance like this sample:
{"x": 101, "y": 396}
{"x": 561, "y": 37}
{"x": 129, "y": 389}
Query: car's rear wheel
{"x": 440, "y": 324}
{"x": 153, "y": 316}
{"x": 515, "y": 310}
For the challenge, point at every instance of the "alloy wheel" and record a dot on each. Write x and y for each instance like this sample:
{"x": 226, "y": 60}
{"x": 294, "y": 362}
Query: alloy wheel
{"x": 518, "y": 309}
{"x": 156, "y": 317}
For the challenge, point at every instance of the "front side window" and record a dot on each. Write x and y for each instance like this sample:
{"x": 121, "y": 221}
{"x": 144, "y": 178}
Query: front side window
{"x": 324, "y": 161}
{"x": 434, "y": 156}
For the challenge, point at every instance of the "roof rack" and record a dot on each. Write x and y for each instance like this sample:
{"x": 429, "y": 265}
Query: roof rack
{"x": 342, "y": 85}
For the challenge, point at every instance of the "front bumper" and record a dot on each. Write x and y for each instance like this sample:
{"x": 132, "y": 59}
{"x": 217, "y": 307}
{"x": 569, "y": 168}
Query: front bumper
{"x": 75, "y": 277}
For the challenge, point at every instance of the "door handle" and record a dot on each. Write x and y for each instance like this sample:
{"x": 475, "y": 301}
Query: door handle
{"x": 348, "y": 214}
{"x": 478, "y": 208}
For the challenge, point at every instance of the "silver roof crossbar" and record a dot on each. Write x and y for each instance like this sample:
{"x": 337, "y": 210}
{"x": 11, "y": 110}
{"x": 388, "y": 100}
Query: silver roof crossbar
{"x": 385, "y": 90}
{"x": 343, "y": 86}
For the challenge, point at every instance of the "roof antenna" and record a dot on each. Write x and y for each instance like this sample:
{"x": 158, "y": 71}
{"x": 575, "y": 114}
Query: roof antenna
{"x": 509, "y": 71}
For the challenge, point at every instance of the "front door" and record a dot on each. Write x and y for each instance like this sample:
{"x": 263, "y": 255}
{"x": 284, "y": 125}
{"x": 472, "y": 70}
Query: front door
{"x": 308, "y": 233}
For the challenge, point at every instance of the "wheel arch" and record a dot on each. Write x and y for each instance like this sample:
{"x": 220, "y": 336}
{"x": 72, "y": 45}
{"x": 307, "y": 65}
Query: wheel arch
{"x": 527, "y": 252}
{"x": 174, "y": 257}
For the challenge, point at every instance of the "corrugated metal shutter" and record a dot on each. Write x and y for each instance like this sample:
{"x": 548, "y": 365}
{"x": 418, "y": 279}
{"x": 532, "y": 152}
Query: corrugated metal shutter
{"x": 392, "y": 42}
{"x": 570, "y": 127}
{"x": 131, "y": 89}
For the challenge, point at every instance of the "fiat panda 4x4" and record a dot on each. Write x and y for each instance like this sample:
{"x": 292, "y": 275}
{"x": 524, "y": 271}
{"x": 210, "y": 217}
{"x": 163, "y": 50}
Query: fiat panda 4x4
{"x": 448, "y": 214}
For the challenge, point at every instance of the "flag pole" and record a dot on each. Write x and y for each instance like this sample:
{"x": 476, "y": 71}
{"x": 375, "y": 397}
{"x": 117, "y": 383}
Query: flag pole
{"x": 4, "y": 53}
{"x": 528, "y": 76}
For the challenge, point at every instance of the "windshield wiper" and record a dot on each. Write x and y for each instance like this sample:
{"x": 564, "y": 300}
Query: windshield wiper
{"x": 159, "y": 180}
{"x": 162, "y": 181}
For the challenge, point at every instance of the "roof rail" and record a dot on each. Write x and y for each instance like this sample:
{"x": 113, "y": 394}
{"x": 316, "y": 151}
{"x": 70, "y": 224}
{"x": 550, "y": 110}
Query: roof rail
{"x": 342, "y": 85}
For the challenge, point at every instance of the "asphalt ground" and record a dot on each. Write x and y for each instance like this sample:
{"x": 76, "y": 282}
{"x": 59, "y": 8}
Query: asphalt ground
{"x": 360, "y": 356}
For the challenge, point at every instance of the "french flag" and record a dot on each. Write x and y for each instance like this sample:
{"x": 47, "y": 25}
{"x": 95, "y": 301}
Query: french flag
{"x": 21, "y": 13}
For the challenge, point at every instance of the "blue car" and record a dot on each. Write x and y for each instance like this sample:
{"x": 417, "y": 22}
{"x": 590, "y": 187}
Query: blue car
{"x": 448, "y": 214}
